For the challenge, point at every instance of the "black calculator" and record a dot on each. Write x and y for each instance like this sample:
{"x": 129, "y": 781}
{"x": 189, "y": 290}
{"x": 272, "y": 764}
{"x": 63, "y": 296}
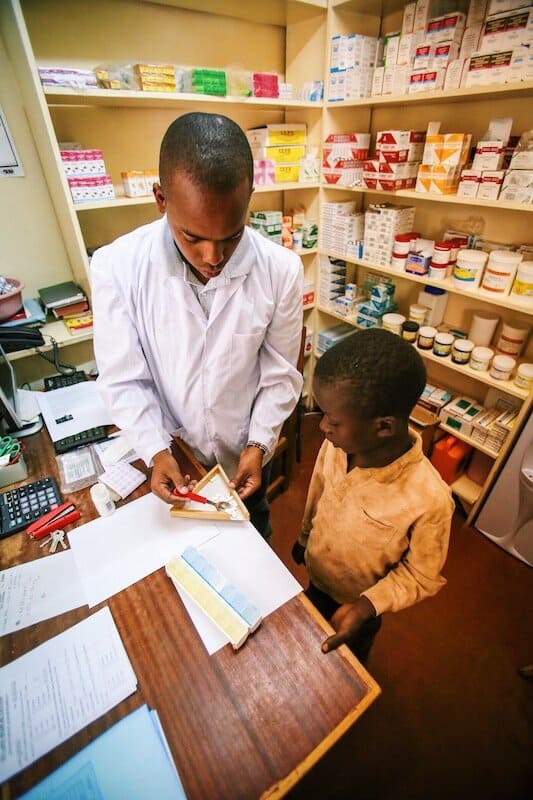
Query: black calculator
{"x": 60, "y": 381}
{"x": 20, "y": 507}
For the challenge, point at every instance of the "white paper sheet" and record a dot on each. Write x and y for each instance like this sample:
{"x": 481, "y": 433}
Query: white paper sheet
{"x": 113, "y": 552}
{"x": 81, "y": 402}
{"x": 27, "y": 405}
{"x": 247, "y": 561}
{"x": 61, "y": 686}
{"x": 39, "y": 590}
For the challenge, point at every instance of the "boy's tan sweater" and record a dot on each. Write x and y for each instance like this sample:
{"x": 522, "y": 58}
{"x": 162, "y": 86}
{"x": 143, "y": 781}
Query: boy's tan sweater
{"x": 381, "y": 532}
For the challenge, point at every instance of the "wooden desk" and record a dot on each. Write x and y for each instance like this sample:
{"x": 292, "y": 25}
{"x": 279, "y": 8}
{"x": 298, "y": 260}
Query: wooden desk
{"x": 240, "y": 725}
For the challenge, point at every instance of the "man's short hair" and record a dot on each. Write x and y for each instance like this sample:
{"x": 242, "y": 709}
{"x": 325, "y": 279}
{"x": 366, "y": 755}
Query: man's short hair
{"x": 210, "y": 149}
{"x": 383, "y": 373}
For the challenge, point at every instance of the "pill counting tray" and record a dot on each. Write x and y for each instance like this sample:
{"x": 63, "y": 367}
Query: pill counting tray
{"x": 215, "y": 486}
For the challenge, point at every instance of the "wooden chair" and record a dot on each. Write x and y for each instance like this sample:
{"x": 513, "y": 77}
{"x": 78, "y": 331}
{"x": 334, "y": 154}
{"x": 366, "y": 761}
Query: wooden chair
{"x": 288, "y": 446}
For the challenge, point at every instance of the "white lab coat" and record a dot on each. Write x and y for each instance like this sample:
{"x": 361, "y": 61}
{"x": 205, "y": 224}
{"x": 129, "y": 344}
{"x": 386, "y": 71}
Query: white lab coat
{"x": 164, "y": 368}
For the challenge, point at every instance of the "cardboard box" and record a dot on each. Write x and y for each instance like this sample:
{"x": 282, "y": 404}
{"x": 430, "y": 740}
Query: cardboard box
{"x": 279, "y": 155}
{"x": 489, "y": 155}
{"x": 282, "y": 135}
{"x": 491, "y": 183}
{"x": 469, "y": 183}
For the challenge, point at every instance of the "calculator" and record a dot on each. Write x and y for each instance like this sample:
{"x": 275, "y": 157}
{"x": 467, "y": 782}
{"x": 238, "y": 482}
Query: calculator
{"x": 20, "y": 507}
{"x": 59, "y": 381}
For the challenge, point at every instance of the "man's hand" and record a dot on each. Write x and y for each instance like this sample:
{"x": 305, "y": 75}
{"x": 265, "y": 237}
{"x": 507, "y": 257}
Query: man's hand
{"x": 346, "y": 621}
{"x": 247, "y": 478}
{"x": 166, "y": 476}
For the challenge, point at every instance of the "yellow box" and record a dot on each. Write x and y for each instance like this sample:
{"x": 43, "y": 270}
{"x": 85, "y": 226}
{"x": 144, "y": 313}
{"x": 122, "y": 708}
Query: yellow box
{"x": 282, "y": 135}
{"x": 279, "y": 155}
{"x": 155, "y": 69}
{"x": 284, "y": 173}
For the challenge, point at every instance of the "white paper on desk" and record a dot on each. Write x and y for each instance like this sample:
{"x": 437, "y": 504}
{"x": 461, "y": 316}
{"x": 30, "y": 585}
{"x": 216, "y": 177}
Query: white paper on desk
{"x": 113, "y": 552}
{"x": 81, "y": 401}
{"x": 246, "y": 560}
{"x": 61, "y": 686}
{"x": 38, "y": 590}
{"x": 28, "y": 406}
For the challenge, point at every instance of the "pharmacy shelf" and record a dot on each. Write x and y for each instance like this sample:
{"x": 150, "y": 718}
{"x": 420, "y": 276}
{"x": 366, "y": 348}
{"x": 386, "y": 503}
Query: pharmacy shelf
{"x": 511, "y": 302}
{"x": 483, "y": 376}
{"x": 410, "y": 194}
{"x": 468, "y": 440}
{"x": 121, "y": 201}
{"x": 273, "y": 12}
{"x": 126, "y": 98}
{"x": 53, "y": 331}
{"x": 497, "y": 91}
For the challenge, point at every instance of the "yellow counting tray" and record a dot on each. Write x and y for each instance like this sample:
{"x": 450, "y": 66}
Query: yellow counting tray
{"x": 214, "y": 486}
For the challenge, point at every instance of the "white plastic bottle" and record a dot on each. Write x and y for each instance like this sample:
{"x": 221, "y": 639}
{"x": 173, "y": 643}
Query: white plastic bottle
{"x": 434, "y": 299}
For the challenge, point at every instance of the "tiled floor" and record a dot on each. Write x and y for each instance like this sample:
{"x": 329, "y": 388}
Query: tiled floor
{"x": 455, "y": 720}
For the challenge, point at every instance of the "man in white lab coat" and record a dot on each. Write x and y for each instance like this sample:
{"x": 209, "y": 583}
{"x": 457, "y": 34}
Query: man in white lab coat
{"x": 197, "y": 319}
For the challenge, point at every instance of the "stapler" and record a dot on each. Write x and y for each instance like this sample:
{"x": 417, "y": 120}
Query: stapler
{"x": 57, "y": 518}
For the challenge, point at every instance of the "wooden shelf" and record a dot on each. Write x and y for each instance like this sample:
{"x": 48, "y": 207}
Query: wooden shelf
{"x": 508, "y": 301}
{"x": 64, "y": 96}
{"x": 467, "y": 490}
{"x": 410, "y": 194}
{"x": 497, "y": 91}
{"x": 468, "y": 439}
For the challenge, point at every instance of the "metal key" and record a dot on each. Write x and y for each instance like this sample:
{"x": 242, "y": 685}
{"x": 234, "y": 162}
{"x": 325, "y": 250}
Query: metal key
{"x": 57, "y": 538}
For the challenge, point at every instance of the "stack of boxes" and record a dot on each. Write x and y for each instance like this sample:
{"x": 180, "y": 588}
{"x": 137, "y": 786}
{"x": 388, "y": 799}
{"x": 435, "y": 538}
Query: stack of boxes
{"x": 86, "y": 175}
{"x": 266, "y": 84}
{"x": 331, "y": 336}
{"x": 370, "y": 312}
{"x": 382, "y": 223}
{"x": 139, "y": 183}
{"x": 268, "y": 224}
{"x": 204, "y": 81}
{"x": 155, "y": 77}
{"x": 278, "y": 151}
{"x": 487, "y": 178}
{"x": 518, "y": 180}
{"x": 343, "y": 228}
{"x": 443, "y": 158}
{"x": 332, "y": 280}
{"x": 343, "y": 156}
{"x": 353, "y": 58}
{"x": 492, "y": 426}
{"x": 398, "y": 156}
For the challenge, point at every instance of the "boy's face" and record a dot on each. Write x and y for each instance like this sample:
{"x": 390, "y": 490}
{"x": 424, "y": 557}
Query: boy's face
{"x": 340, "y": 423}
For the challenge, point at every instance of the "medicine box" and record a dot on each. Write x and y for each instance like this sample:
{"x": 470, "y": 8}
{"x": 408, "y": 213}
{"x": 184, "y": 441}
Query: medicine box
{"x": 283, "y": 135}
{"x": 78, "y": 163}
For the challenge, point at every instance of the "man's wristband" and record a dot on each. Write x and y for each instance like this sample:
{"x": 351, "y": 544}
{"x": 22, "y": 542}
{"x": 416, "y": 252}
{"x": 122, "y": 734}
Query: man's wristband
{"x": 261, "y": 447}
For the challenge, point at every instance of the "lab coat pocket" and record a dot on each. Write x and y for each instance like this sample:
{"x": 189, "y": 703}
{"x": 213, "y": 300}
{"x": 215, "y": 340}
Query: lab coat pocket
{"x": 245, "y": 359}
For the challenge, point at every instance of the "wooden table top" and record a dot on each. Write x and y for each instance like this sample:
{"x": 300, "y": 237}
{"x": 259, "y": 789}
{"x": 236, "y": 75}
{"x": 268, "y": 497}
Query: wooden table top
{"x": 240, "y": 724}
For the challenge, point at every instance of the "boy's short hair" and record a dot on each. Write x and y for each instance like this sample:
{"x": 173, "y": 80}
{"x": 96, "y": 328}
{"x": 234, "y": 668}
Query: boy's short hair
{"x": 211, "y": 149}
{"x": 386, "y": 375}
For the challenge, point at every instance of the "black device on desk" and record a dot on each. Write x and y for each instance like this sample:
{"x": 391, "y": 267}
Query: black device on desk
{"x": 20, "y": 338}
{"x": 20, "y": 507}
{"x": 84, "y": 437}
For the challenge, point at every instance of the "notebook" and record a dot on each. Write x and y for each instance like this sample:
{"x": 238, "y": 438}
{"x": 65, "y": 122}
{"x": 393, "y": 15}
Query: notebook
{"x": 60, "y": 294}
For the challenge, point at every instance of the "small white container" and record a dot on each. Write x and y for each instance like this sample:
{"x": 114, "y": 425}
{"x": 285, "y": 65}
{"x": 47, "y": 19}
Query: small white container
{"x": 461, "y": 351}
{"x": 500, "y": 271}
{"x": 393, "y": 322}
{"x": 501, "y": 367}
{"x": 438, "y": 271}
{"x": 442, "y": 346}
{"x": 524, "y": 377}
{"x": 398, "y": 261}
{"x": 480, "y": 358}
{"x": 523, "y": 283}
{"x": 426, "y": 337}
{"x": 102, "y": 499}
{"x": 417, "y": 313}
{"x": 469, "y": 268}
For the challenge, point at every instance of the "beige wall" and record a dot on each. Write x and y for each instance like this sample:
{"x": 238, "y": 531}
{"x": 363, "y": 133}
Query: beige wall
{"x": 32, "y": 245}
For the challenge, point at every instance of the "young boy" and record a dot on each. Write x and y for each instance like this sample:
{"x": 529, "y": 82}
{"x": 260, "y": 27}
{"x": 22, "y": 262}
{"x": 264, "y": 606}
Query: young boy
{"x": 377, "y": 519}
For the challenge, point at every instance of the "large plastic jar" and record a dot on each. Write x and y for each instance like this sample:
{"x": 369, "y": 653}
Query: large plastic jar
{"x": 500, "y": 271}
{"x": 523, "y": 283}
{"x": 426, "y": 337}
{"x": 393, "y": 322}
{"x": 461, "y": 351}
{"x": 442, "y": 346}
{"x": 480, "y": 358}
{"x": 417, "y": 313}
{"x": 501, "y": 367}
{"x": 524, "y": 377}
{"x": 435, "y": 299}
{"x": 482, "y": 329}
{"x": 511, "y": 340}
{"x": 469, "y": 268}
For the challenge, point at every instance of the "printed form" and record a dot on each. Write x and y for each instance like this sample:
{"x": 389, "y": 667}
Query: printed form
{"x": 58, "y": 688}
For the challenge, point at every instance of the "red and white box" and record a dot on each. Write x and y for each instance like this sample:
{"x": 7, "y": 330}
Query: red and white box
{"x": 507, "y": 31}
{"x": 345, "y": 147}
{"x": 489, "y": 155}
{"x": 344, "y": 173}
{"x": 491, "y": 183}
{"x": 444, "y": 53}
{"x": 446, "y": 28}
{"x": 83, "y": 162}
{"x": 91, "y": 187}
{"x": 469, "y": 183}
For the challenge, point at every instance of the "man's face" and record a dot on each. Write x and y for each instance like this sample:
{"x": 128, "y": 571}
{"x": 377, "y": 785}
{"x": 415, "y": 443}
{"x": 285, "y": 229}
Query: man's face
{"x": 340, "y": 424}
{"x": 206, "y": 226}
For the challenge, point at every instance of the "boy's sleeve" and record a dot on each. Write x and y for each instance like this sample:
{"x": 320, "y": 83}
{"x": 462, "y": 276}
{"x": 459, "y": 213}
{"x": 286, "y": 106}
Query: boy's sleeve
{"x": 316, "y": 487}
{"x": 418, "y": 574}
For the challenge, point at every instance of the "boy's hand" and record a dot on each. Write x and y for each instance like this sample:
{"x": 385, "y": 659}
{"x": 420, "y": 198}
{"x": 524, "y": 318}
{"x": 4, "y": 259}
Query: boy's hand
{"x": 298, "y": 552}
{"x": 347, "y": 620}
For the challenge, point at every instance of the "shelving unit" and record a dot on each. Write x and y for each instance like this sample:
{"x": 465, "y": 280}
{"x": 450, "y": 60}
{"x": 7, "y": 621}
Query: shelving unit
{"x": 290, "y": 37}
